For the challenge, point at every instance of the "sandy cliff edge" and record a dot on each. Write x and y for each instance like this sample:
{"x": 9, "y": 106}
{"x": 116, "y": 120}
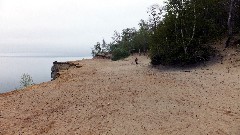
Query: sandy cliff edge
{"x": 106, "y": 97}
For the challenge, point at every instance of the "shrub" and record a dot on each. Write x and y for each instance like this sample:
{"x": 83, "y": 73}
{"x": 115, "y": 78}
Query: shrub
{"x": 26, "y": 80}
{"x": 119, "y": 53}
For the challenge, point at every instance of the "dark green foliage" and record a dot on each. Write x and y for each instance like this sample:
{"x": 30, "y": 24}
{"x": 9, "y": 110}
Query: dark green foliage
{"x": 129, "y": 41}
{"x": 119, "y": 53}
{"x": 176, "y": 34}
{"x": 181, "y": 37}
{"x": 97, "y": 49}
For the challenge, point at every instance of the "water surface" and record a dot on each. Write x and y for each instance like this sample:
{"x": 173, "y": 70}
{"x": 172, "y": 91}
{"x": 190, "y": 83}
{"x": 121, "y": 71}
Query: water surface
{"x": 39, "y": 68}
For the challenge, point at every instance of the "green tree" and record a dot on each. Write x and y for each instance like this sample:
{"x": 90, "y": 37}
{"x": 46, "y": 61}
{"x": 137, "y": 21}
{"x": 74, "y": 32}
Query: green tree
{"x": 187, "y": 26}
{"x": 97, "y": 49}
{"x": 179, "y": 32}
{"x": 140, "y": 40}
{"x": 155, "y": 16}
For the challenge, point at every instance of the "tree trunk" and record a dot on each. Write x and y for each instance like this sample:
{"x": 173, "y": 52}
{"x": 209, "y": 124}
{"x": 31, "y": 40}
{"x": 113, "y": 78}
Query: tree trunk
{"x": 194, "y": 25}
{"x": 230, "y": 23}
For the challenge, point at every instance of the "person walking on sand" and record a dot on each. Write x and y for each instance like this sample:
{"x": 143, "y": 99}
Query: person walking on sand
{"x": 136, "y": 60}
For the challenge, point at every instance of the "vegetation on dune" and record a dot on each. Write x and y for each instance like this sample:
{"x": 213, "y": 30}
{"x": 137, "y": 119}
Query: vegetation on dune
{"x": 177, "y": 33}
{"x": 26, "y": 80}
{"x": 181, "y": 36}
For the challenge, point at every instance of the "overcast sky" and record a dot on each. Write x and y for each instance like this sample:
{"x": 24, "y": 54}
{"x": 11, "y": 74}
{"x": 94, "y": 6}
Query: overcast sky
{"x": 66, "y": 27}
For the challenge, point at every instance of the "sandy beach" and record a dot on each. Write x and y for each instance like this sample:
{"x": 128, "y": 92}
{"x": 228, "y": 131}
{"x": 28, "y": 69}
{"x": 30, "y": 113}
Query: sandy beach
{"x": 117, "y": 98}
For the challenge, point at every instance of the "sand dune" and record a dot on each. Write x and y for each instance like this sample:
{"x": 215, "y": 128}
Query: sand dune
{"x": 116, "y": 98}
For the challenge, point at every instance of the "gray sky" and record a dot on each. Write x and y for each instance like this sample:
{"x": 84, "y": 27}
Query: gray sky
{"x": 69, "y": 27}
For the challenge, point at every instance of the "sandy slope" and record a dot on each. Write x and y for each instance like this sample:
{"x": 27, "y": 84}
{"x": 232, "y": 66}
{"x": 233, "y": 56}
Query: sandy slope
{"x": 105, "y": 98}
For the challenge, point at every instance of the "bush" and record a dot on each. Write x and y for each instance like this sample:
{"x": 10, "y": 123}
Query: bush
{"x": 26, "y": 80}
{"x": 119, "y": 53}
{"x": 180, "y": 58}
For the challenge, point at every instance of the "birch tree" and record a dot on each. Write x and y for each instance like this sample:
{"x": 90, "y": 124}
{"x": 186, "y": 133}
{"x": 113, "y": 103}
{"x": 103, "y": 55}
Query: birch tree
{"x": 230, "y": 23}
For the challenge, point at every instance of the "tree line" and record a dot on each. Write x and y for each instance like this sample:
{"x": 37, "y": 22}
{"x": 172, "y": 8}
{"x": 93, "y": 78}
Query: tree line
{"x": 177, "y": 33}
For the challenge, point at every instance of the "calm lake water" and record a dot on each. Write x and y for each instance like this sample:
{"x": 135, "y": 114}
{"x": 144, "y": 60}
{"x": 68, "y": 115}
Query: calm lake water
{"x": 39, "y": 68}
